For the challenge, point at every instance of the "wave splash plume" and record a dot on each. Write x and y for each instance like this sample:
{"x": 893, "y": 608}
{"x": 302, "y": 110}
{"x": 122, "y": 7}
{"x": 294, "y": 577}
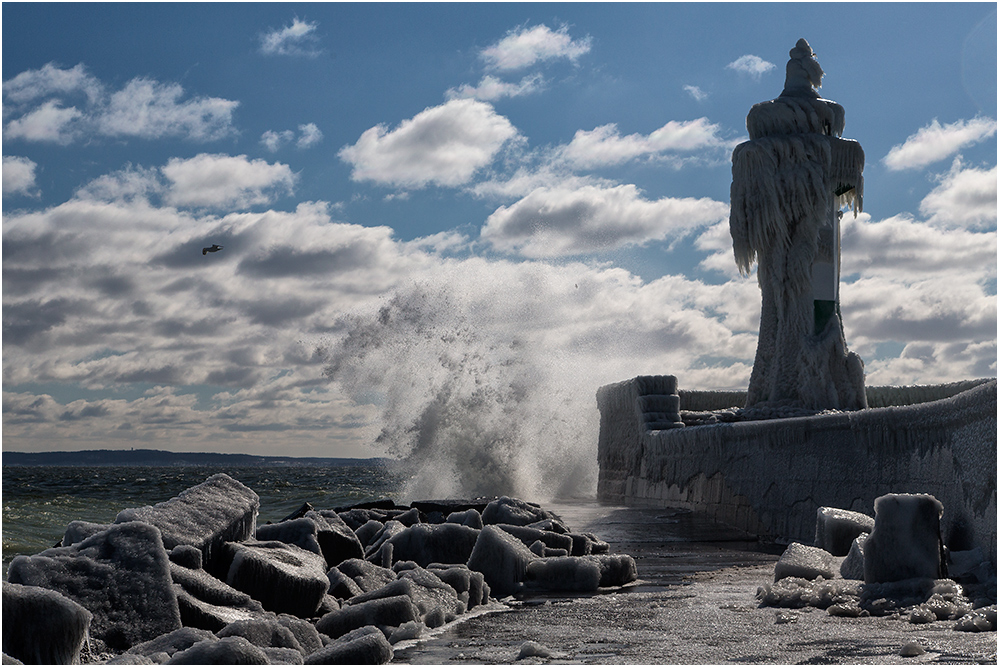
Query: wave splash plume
{"x": 473, "y": 405}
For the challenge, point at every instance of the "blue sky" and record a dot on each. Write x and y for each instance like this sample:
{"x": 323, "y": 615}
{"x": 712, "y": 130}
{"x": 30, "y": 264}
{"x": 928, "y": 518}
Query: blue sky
{"x": 538, "y": 185}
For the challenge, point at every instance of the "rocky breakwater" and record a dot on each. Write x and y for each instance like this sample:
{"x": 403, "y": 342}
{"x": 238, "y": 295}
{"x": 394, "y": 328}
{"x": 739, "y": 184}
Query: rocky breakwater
{"x": 193, "y": 580}
{"x": 893, "y": 564}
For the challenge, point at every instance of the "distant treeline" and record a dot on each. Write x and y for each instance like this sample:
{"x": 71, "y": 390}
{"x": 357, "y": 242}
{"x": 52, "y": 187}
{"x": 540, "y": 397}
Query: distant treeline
{"x": 155, "y": 457}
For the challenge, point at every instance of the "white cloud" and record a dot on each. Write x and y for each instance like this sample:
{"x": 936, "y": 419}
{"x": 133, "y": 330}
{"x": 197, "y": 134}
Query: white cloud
{"x": 936, "y": 142}
{"x": 490, "y": 88}
{"x": 445, "y": 145}
{"x": 143, "y": 108}
{"x": 50, "y": 80}
{"x": 553, "y": 222}
{"x": 526, "y": 46}
{"x": 754, "y": 66}
{"x": 224, "y": 181}
{"x": 297, "y": 39}
{"x": 149, "y": 109}
{"x": 309, "y": 135}
{"x": 49, "y": 122}
{"x": 696, "y": 93}
{"x": 964, "y": 198}
{"x": 604, "y": 145}
{"x": 18, "y": 175}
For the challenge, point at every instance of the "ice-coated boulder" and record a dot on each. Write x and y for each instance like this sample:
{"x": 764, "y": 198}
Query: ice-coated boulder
{"x": 470, "y": 586}
{"x": 388, "y": 530}
{"x": 425, "y": 543}
{"x": 282, "y": 577}
{"x": 501, "y": 558}
{"x": 322, "y": 533}
{"x": 206, "y": 516}
{"x": 437, "y": 601}
{"x": 263, "y": 632}
{"x": 172, "y": 642}
{"x": 387, "y": 612}
{"x": 836, "y": 529}
{"x": 365, "y": 646}
{"x": 186, "y": 555}
{"x": 121, "y": 576}
{"x": 469, "y": 517}
{"x": 367, "y": 576}
{"x": 305, "y": 632}
{"x": 905, "y": 542}
{"x": 800, "y": 560}
{"x": 228, "y": 651}
{"x": 367, "y": 531}
{"x": 563, "y": 574}
{"x": 852, "y": 566}
{"x": 514, "y": 511}
{"x": 205, "y": 602}
{"x": 77, "y": 531}
{"x": 342, "y": 586}
{"x": 42, "y": 626}
{"x": 528, "y": 536}
{"x": 615, "y": 569}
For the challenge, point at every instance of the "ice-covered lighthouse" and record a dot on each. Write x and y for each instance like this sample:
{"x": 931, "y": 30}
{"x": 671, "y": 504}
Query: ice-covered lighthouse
{"x": 790, "y": 184}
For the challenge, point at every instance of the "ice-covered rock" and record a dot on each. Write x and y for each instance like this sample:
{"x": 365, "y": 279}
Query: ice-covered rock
{"x": 803, "y": 561}
{"x": 187, "y": 556}
{"x": 367, "y": 531}
{"x": 77, "y": 531}
{"x": 528, "y": 536}
{"x": 979, "y": 620}
{"x": 514, "y": 511}
{"x": 615, "y": 569}
{"x": 469, "y": 517}
{"x": 172, "y": 642}
{"x": 426, "y": 543}
{"x": 836, "y": 529}
{"x": 905, "y": 542}
{"x": 342, "y": 586}
{"x": 121, "y": 576}
{"x": 390, "y": 529}
{"x": 470, "y": 586}
{"x": 852, "y": 566}
{"x": 437, "y": 601}
{"x": 563, "y": 574}
{"x": 264, "y": 632}
{"x": 367, "y": 647}
{"x": 42, "y": 626}
{"x": 795, "y": 592}
{"x": 206, "y": 516}
{"x": 385, "y": 613}
{"x": 228, "y": 651}
{"x": 532, "y": 649}
{"x": 366, "y": 575}
{"x": 205, "y": 602}
{"x": 283, "y": 656}
{"x": 322, "y": 533}
{"x": 305, "y": 632}
{"x": 501, "y": 558}
{"x": 282, "y": 577}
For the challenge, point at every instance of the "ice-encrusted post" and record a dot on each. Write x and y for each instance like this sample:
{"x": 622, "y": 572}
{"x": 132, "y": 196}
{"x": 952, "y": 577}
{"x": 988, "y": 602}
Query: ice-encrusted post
{"x": 790, "y": 182}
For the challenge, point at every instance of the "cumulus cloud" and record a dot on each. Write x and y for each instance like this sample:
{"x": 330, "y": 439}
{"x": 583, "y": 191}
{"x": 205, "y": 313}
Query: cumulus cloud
{"x": 40, "y": 105}
{"x": 18, "y": 175}
{"x": 553, "y": 222}
{"x": 964, "y": 198}
{"x": 604, "y": 145}
{"x": 309, "y": 135}
{"x": 224, "y": 181}
{"x": 442, "y": 145}
{"x": 297, "y": 39}
{"x": 751, "y": 65}
{"x": 526, "y": 46}
{"x": 936, "y": 142}
{"x": 490, "y": 88}
{"x": 696, "y": 93}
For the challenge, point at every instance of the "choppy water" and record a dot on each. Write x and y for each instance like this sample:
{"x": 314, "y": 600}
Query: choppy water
{"x": 39, "y": 501}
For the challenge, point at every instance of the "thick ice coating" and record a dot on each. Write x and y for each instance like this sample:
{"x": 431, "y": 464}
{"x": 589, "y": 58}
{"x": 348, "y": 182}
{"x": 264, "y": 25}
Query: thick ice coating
{"x": 41, "y": 626}
{"x": 789, "y": 182}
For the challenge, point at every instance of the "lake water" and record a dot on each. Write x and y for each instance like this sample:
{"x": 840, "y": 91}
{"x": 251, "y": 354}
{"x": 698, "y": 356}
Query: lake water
{"x": 39, "y": 501}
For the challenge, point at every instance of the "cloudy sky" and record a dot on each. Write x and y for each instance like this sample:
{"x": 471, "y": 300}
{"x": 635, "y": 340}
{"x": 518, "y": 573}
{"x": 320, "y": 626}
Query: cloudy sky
{"x": 483, "y": 209}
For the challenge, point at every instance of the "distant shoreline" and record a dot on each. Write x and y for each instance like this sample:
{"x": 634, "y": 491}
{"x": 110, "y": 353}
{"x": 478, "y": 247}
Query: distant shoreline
{"x": 155, "y": 457}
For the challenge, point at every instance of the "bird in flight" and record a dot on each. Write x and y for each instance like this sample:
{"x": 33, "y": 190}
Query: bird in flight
{"x": 215, "y": 247}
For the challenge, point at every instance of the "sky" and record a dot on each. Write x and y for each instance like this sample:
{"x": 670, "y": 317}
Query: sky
{"x": 453, "y": 222}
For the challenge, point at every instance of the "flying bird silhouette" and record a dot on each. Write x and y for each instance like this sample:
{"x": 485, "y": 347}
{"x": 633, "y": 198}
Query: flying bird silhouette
{"x": 215, "y": 247}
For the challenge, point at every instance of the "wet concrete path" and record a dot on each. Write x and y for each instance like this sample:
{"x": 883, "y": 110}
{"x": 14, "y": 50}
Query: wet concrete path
{"x": 694, "y": 603}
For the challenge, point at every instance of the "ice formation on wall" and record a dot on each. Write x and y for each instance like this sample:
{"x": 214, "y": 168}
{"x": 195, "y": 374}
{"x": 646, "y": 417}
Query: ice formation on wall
{"x": 789, "y": 184}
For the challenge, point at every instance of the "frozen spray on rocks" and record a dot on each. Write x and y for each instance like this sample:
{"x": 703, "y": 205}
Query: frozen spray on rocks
{"x": 193, "y": 580}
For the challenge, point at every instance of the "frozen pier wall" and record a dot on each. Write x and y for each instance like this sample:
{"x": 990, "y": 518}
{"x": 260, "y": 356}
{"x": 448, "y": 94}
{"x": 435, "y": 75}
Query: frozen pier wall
{"x": 769, "y": 477}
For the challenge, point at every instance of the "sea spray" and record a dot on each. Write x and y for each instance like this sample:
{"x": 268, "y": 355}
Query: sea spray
{"x": 473, "y": 400}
